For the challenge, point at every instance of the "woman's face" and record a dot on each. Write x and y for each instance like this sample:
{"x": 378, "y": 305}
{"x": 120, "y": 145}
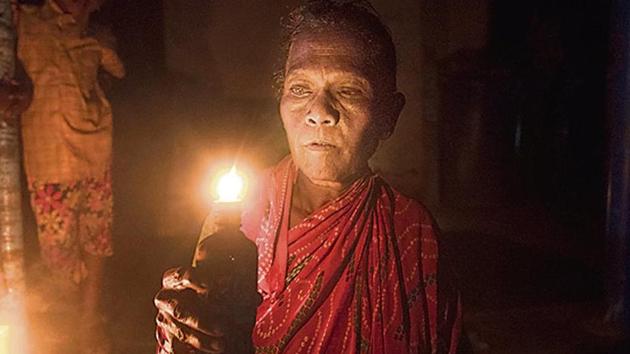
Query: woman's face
{"x": 332, "y": 107}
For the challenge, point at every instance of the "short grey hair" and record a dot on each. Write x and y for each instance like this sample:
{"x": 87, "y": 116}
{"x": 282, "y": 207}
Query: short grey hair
{"x": 357, "y": 17}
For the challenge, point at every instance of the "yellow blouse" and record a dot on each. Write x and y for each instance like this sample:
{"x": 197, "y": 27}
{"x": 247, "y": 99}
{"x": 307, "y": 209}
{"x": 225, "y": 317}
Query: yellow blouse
{"x": 67, "y": 130}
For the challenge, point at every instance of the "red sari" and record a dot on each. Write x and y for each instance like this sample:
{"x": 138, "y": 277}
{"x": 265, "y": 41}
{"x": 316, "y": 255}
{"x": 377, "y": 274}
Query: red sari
{"x": 360, "y": 275}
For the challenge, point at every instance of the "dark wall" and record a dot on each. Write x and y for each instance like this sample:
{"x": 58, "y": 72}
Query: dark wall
{"x": 139, "y": 27}
{"x": 230, "y": 46}
{"x": 505, "y": 100}
{"x": 555, "y": 54}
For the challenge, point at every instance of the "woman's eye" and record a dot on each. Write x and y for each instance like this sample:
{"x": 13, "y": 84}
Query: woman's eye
{"x": 299, "y": 91}
{"x": 350, "y": 92}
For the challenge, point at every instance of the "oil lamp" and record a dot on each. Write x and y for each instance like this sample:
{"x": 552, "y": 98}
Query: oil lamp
{"x": 226, "y": 262}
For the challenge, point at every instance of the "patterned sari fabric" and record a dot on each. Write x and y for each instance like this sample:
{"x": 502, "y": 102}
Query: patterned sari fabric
{"x": 73, "y": 219}
{"x": 362, "y": 274}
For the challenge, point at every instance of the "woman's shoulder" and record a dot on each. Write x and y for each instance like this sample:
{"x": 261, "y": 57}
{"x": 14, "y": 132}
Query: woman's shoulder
{"x": 405, "y": 209}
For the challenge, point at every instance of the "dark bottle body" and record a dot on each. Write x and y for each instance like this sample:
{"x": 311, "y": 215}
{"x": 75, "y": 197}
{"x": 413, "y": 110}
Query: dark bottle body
{"x": 228, "y": 268}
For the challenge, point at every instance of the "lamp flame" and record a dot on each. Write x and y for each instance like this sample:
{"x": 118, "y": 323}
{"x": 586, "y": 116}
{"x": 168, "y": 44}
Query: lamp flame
{"x": 230, "y": 187}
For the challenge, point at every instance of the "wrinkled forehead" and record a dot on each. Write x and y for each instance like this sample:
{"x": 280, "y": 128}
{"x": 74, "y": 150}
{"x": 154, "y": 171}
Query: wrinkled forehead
{"x": 330, "y": 50}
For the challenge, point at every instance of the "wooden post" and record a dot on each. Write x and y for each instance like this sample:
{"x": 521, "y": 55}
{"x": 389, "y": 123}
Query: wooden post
{"x": 618, "y": 213}
{"x": 11, "y": 239}
{"x": 12, "y": 307}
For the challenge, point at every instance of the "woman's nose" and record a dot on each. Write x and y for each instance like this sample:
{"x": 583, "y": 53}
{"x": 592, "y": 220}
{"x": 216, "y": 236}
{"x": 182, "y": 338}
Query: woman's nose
{"x": 322, "y": 112}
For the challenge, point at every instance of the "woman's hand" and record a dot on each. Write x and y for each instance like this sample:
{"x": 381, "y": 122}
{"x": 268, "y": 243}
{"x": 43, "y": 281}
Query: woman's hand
{"x": 183, "y": 324}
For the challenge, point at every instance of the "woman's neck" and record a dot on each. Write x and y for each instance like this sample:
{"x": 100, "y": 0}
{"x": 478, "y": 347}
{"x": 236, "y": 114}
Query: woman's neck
{"x": 309, "y": 196}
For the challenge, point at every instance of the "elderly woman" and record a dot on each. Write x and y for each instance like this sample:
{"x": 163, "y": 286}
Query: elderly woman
{"x": 346, "y": 263}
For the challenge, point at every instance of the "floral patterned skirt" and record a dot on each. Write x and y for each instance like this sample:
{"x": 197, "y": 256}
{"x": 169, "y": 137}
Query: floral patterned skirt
{"x": 73, "y": 219}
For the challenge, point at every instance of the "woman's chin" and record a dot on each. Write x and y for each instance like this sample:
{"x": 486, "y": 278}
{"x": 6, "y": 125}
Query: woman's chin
{"x": 327, "y": 177}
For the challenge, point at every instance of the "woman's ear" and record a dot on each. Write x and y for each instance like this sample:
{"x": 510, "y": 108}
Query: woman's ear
{"x": 393, "y": 106}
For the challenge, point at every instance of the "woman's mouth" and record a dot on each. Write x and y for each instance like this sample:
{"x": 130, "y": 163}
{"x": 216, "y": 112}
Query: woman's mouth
{"x": 319, "y": 146}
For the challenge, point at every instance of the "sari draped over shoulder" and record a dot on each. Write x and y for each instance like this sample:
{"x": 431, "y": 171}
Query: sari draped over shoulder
{"x": 360, "y": 275}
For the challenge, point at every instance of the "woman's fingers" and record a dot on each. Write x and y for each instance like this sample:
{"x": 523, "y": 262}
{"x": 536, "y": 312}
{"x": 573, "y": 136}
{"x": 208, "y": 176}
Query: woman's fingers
{"x": 187, "y": 308}
{"x": 188, "y": 336}
{"x": 170, "y": 329}
{"x": 184, "y": 318}
{"x": 164, "y": 338}
{"x": 177, "y": 304}
{"x": 182, "y": 278}
{"x": 172, "y": 278}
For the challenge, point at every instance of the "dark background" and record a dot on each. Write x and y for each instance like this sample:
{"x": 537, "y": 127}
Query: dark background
{"x": 504, "y": 137}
